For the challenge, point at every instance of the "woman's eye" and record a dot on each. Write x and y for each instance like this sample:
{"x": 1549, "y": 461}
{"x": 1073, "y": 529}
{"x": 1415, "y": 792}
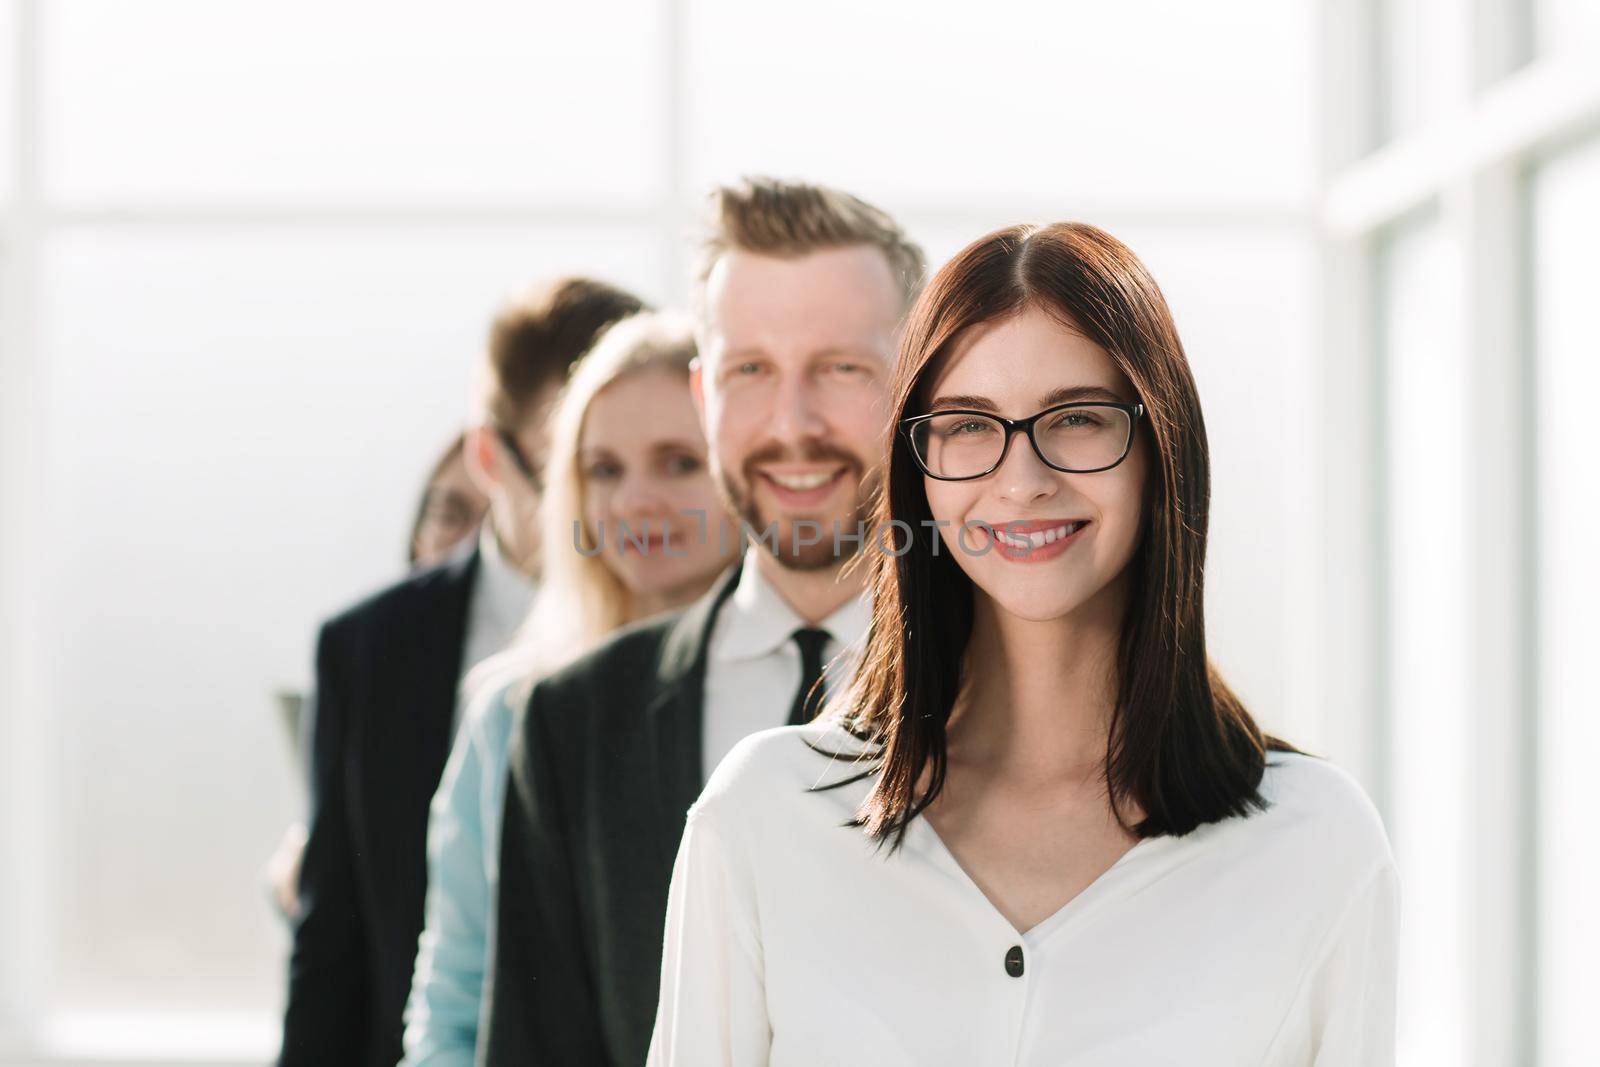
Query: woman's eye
{"x": 683, "y": 463}
{"x": 967, "y": 428}
{"x": 599, "y": 472}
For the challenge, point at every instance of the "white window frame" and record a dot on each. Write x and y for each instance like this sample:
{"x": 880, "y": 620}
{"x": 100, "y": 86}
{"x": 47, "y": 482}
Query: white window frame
{"x": 1470, "y": 161}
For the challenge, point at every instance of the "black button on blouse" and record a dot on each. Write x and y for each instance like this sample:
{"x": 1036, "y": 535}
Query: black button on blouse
{"x": 1014, "y": 961}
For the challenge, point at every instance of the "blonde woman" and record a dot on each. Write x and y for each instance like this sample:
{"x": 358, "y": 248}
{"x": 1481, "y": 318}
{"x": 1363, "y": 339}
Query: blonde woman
{"x": 625, "y": 520}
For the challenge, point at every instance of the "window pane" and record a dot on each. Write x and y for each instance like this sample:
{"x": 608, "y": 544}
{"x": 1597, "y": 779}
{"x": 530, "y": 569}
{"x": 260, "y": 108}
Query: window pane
{"x": 238, "y": 425}
{"x": 926, "y": 105}
{"x": 1425, "y": 401}
{"x": 371, "y": 103}
{"x": 1566, "y": 234}
{"x": 1567, "y": 27}
{"x": 1413, "y": 64}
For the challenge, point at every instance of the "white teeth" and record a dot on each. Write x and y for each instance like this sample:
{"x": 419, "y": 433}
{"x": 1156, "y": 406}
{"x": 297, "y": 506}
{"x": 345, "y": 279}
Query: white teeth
{"x": 1038, "y": 539}
{"x": 802, "y": 482}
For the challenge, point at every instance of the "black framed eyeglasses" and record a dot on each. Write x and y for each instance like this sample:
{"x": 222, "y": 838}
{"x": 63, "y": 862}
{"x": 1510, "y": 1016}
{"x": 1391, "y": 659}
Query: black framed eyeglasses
{"x": 519, "y": 458}
{"x": 1078, "y": 438}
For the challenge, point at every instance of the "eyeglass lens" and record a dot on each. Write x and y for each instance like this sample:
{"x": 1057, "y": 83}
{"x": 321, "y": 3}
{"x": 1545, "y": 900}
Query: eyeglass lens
{"x": 964, "y": 445}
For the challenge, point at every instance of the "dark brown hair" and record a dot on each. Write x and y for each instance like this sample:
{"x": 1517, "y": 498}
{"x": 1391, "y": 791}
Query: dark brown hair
{"x": 1181, "y": 746}
{"x": 772, "y": 217}
{"x": 538, "y": 335}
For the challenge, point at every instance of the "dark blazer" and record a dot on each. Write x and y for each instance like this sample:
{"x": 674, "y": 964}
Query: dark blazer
{"x": 603, "y": 769}
{"x": 382, "y": 718}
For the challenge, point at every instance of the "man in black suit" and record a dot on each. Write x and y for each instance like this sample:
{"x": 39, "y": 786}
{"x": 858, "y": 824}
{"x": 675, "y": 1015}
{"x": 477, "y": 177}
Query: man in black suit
{"x": 799, "y": 299}
{"x": 387, "y": 672}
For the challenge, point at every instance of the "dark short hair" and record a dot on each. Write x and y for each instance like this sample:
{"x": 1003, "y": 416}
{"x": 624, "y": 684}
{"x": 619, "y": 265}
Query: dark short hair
{"x": 538, "y": 335}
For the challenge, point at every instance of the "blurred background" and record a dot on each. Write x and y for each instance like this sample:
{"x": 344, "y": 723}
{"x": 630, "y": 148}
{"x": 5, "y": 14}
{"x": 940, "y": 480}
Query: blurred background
{"x": 248, "y": 254}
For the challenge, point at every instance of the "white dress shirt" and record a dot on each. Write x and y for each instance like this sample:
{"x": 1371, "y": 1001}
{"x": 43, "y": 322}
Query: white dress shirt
{"x": 753, "y": 665}
{"x": 1264, "y": 941}
{"x": 501, "y": 597}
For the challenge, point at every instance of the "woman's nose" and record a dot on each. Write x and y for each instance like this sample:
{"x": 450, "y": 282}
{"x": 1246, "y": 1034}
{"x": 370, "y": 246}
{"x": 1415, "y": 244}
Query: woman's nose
{"x": 1022, "y": 476}
{"x": 638, "y": 495}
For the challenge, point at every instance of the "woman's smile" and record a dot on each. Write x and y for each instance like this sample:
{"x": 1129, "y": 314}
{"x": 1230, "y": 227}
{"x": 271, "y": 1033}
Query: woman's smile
{"x": 1034, "y": 541}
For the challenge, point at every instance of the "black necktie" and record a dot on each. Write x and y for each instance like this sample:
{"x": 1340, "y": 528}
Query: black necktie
{"x": 813, "y": 690}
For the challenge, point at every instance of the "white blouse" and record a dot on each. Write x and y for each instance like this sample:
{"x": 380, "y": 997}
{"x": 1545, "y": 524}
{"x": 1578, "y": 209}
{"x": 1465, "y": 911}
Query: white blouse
{"x": 1263, "y": 941}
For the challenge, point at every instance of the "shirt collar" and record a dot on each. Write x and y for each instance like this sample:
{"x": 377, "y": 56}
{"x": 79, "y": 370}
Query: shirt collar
{"x": 503, "y": 592}
{"x": 757, "y": 620}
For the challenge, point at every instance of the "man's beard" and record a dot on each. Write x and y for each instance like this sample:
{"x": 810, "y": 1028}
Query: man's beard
{"x": 826, "y": 546}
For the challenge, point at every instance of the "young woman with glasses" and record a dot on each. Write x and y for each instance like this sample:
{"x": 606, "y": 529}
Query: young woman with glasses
{"x": 1039, "y": 828}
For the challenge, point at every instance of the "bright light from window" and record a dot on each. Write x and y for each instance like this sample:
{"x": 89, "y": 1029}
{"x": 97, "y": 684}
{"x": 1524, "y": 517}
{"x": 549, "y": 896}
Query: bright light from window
{"x": 176, "y": 101}
{"x": 1566, "y": 252}
{"x": 1426, "y": 435}
{"x": 940, "y": 105}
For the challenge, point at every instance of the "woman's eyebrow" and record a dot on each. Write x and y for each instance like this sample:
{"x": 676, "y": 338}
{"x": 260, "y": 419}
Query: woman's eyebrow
{"x": 1064, "y": 395}
{"x": 963, "y": 400}
{"x": 1079, "y": 392}
{"x": 677, "y": 444}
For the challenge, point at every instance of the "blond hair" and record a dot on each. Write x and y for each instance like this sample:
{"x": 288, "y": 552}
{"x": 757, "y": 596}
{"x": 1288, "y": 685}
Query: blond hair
{"x": 772, "y": 217}
{"x": 580, "y": 599}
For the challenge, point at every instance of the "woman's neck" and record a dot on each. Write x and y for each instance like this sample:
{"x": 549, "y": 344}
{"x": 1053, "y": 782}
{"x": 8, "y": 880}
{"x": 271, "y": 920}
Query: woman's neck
{"x": 1037, "y": 697}
{"x": 647, "y": 604}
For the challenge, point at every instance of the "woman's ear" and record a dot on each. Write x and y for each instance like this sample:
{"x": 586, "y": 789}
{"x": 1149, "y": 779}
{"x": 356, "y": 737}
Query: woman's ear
{"x": 482, "y": 456}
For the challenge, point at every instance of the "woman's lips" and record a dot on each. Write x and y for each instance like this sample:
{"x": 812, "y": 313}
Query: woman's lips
{"x": 649, "y": 540}
{"x": 1035, "y": 542}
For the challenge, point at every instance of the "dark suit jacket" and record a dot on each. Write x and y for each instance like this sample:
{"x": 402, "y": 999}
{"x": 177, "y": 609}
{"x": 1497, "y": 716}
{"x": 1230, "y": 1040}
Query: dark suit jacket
{"x": 603, "y": 769}
{"x": 382, "y": 717}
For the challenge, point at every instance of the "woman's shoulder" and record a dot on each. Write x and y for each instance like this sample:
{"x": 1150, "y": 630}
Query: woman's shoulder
{"x": 493, "y": 691}
{"x": 1314, "y": 800}
{"x": 781, "y": 770}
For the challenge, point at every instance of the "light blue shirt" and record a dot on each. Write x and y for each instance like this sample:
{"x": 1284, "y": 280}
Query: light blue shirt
{"x": 443, "y": 1013}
